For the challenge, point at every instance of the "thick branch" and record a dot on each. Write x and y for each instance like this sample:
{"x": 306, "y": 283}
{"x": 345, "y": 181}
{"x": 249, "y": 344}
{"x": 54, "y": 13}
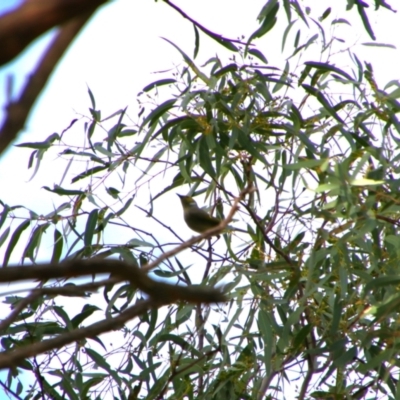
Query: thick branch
{"x": 18, "y": 111}
{"x": 159, "y": 291}
{"x": 23, "y": 25}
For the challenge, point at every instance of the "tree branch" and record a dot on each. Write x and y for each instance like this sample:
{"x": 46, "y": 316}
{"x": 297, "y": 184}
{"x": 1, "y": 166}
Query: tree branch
{"x": 18, "y": 111}
{"x": 159, "y": 291}
{"x": 23, "y": 25}
{"x": 14, "y": 357}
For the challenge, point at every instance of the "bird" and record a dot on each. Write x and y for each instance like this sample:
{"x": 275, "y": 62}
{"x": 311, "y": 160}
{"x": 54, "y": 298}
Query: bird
{"x": 197, "y": 219}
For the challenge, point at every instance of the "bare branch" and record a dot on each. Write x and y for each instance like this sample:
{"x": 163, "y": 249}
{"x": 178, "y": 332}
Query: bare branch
{"x": 209, "y": 33}
{"x": 18, "y": 111}
{"x": 23, "y": 25}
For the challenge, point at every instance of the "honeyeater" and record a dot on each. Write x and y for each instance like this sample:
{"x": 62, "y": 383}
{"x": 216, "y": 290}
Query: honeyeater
{"x": 196, "y": 218}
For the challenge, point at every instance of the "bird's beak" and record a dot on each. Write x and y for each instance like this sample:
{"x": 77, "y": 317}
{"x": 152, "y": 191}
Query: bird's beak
{"x": 179, "y": 195}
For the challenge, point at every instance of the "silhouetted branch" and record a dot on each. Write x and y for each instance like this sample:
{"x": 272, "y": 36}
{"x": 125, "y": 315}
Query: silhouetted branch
{"x": 159, "y": 291}
{"x": 18, "y": 111}
{"x": 22, "y": 26}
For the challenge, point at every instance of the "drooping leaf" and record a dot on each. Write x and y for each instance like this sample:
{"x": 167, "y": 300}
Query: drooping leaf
{"x": 158, "y": 83}
{"x": 90, "y": 227}
{"x": 191, "y": 64}
{"x": 324, "y": 67}
{"x": 268, "y": 16}
{"x": 323, "y": 100}
{"x": 14, "y": 240}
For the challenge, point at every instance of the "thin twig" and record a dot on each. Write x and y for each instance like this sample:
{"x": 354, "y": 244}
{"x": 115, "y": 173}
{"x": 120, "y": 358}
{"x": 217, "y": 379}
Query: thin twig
{"x": 201, "y": 27}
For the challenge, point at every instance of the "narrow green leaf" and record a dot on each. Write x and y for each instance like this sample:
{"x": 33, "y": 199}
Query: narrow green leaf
{"x": 139, "y": 243}
{"x": 14, "y": 240}
{"x": 196, "y": 41}
{"x": 158, "y": 83}
{"x": 158, "y": 112}
{"x": 153, "y": 314}
{"x": 299, "y": 10}
{"x": 341, "y": 21}
{"x": 92, "y": 100}
{"x": 179, "y": 341}
{"x": 113, "y": 192}
{"x": 183, "y": 122}
{"x": 87, "y": 311}
{"x": 102, "y": 363}
{"x": 127, "y": 132}
{"x": 389, "y": 306}
{"x": 90, "y": 227}
{"x": 4, "y": 214}
{"x": 287, "y": 7}
{"x": 325, "y": 14}
{"x": 258, "y": 54}
{"x": 63, "y": 315}
{"x": 365, "y": 20}
{"x": 283, "y": 79}
{"x": 269, "y": 20}
{"x": 88, "y": 172}
{"x": 34, "y": 241}
{"x": 4, "y": 235}
{"x": 321, "y": 98}
{"x": 366, "y": 182}
{"x": 124, "y": 208}
{"x": 346, "y": 357}
{"x": 305, "y": 45}
{"x": 34, "y": 145}
{"x": 304, "y": 74}
{"x": 266, "y": 333}
{"x": 204, "y": 157}
{"x": 325, "y": 67}
{"x": 286, "y": 33}
{"x": 336, "y": 315}
{"x": 229, "y": 68}
{"x": 190, "y": 63}
{"x": 57, "y": 247}
{"x": 374, "y": 44}
{"x": 382, "y": 281}
{"x": 41, "y": 145}
{"x": 63, "y": 192}
{"x": 300, "y": 337}
{"x": 56, "y": 212}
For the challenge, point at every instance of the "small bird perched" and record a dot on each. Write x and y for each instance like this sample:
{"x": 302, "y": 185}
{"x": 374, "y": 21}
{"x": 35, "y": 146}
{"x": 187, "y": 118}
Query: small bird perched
{"x": 197, "y": 219}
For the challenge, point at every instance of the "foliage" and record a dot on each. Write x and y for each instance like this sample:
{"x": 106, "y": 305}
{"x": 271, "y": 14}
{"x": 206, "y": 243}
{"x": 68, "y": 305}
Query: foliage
{"x": 313, "y": 284}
